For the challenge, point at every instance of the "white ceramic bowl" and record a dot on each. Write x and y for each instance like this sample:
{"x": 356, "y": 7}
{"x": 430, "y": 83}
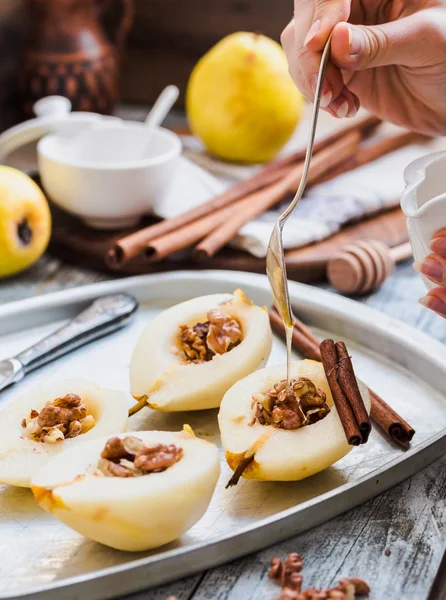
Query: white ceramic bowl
{"x": 105, "y": 182}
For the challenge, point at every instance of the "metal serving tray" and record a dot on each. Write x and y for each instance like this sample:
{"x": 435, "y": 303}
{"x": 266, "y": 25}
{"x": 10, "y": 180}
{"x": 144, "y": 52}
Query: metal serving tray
{"x": 41, "y": 558}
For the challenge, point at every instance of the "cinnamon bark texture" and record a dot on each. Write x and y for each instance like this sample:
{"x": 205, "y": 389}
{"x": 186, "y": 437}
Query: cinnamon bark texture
{"x": 381, "y": 413}
{"x": 330, "y": 360}
{"x": 390, "y": 422}
{"x": 79, "y": 245}
{"x": 133, "y": 245}
{"x": 365, "y": 127}
{"x": 375, "y": 151}
{"x": 166, "y": 245}
{"x": 300, "y": 340}
{"x": 256, "y": 204}
{"x": 349, "y": 385}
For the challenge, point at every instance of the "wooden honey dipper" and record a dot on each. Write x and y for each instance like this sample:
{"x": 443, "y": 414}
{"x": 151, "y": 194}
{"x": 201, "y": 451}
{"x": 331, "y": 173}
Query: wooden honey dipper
{"x": 362, "y": 267}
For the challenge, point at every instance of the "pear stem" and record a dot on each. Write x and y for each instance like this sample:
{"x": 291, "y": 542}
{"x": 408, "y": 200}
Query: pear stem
{"x": 246, "y": 460}
{"x": 138, "y": 406}
{"x": 248, "y": 456}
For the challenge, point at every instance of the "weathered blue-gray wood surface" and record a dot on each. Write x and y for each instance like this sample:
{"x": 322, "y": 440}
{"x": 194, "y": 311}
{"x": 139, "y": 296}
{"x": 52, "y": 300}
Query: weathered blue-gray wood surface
{"x": 409, "y": 520}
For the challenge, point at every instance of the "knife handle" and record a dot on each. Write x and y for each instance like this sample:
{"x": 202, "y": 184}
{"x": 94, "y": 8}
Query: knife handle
{"x": 103, "y": 316}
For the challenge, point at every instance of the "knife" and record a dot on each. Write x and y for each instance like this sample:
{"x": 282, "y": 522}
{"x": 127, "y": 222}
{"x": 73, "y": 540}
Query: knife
{"x": 103, "y": 316}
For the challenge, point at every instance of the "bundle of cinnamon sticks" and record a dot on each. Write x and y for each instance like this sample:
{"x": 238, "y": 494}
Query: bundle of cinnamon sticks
{"x": 207, "y": 228}
{"x": 344, "y": 388}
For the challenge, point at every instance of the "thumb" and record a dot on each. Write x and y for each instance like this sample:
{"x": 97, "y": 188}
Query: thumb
{"x": 409, "y": 41}
{"x": 326, "y": 15}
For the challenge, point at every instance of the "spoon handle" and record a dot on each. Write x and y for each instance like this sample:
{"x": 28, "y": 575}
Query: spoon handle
{"x": 312, "y": 133}
{"x": 275, "y": 259}
{"x": 162, "y": 106}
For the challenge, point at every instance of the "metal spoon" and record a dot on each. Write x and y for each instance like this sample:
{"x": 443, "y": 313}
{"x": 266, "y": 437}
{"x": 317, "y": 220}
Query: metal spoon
{"x": 275, "y": 259}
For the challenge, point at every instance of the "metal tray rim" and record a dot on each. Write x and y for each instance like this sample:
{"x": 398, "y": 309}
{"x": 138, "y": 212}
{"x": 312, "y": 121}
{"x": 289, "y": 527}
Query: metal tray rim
{"x": 364, "y": 316}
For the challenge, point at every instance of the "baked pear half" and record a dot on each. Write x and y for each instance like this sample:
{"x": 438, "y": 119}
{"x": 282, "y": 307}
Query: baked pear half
{"x": 133, "y": 491}
{"x": 192, "y": 353}
{"x": 278, "y": 438}
{"x": 42, "y": 422}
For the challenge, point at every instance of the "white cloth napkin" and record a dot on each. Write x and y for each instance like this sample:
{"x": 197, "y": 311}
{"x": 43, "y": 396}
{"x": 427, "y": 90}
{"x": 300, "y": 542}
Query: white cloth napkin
{"x": 321, "y": 213}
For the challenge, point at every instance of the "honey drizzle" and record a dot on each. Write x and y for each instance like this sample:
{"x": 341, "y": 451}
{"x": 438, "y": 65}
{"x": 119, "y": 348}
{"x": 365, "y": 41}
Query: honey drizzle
{"x": 277, "y": 279}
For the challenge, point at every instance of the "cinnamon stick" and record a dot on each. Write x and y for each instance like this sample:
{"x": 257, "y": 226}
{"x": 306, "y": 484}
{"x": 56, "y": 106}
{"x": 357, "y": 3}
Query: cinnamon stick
{"x": 366, "y": 127}
{"x": 189, "y": 235}
{"x": 381, "y": 413}
{"x": 390, "y": 421}
{"x": 132, "y": 245}
{"x": 257, "y": 203}
{"x": 349, "y": 385}
{"x": 330, "y": 361}
{"x": 373, "y": 152}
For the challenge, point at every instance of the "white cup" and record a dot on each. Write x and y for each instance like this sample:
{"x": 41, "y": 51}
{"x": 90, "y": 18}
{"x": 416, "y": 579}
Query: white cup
{"x": 106, "y": 181}
{"x": 424, "y": 202}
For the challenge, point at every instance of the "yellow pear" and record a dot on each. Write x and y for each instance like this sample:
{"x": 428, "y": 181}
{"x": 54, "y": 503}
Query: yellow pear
{"x": 279, "y": 454}
{"x": 162, "y": 375}
{"x": 25, "y": 221}
{"x": 241, "y": 100}
{"x": 131, "y": 512}
{"x": 22, "y": 455}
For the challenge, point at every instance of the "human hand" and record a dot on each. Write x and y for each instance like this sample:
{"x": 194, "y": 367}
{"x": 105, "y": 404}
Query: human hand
{"x": 434, "y": 268}
{"x": 390, "y": 58}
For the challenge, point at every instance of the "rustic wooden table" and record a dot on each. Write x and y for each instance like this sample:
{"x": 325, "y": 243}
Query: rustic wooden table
{"x": 409, "y": 520}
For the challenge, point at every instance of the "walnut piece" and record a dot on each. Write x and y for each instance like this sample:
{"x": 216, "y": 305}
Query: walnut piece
{"x": 63, "y": 418}
{"x": 290, "y": 408}
{"x": 112, "y": 469}
{"x": 347, "y": 589}
{"x": 275, "y": 571}
{"x": 361, "y": 588}
{"x": 287, "y": 574}
{"x": 218, "y": 335}
{"x": 114, "y": 450}
{"x": 343, "y": 591}
{"x": 193, "y": 342}
{"x": 224, "y": 332}
{"x": 130, "y": 457}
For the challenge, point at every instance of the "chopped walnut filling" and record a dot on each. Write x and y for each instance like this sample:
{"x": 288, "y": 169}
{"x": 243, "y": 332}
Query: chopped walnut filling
{"x": 218, "y": 335}
{"x": 290, "y": 408}
{"x": 60, "y": 419}
{"x": 130, "y": 457}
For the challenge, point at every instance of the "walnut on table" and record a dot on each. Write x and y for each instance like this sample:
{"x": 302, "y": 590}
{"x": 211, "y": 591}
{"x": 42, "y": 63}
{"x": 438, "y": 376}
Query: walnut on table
{"x": 283, "y": 571}
{"x": 287, "y": 574}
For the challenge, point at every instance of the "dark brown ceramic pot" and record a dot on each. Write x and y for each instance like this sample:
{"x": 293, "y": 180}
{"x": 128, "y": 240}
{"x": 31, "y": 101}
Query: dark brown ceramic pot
{"x": 69, "y": 54}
